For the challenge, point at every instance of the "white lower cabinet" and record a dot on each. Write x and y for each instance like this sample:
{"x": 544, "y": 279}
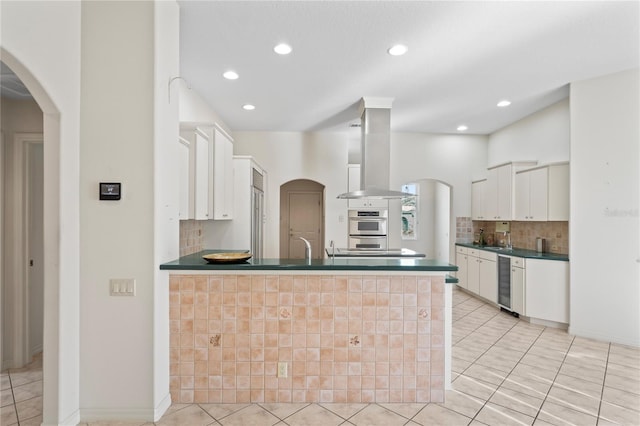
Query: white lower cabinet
{"x": 518, "y": 285}
{"x": 547, "y": 290}
{"x": 488, "y": 276}
{"x": 461, "y": 263}
{"x": 473, "y": 271}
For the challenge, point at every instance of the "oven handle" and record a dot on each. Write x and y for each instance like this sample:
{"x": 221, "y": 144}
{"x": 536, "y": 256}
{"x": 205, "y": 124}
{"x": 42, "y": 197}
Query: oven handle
{"x": 369, "y": 219}
{"x": 368, "y": 237}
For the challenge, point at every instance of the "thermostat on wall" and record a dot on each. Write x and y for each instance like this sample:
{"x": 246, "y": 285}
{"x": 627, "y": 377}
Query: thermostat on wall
{"x": 110, "y": 190}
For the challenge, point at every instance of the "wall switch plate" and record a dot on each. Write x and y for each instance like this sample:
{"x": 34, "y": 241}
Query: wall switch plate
{"x": 282, "y": 369}
{"x": 122, "y": 287}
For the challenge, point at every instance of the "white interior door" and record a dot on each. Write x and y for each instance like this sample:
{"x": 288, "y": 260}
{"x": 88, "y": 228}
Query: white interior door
{"x": 35, "y": 246}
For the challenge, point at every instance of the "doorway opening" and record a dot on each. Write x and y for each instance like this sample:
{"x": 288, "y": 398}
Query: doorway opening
{"x": 301, "y": 216}
{"x": 427, "y": 222}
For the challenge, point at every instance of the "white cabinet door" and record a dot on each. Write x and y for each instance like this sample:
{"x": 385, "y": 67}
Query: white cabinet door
{"x": 203, "y": 176}
{"x": 473, "y": 274}
{"x": 547, "y": 290}
{"x": 488, "y": 285}
{"x": 222, "y": 177}
{"x": 505, "y": 192}
{"x": 538, "y": 194}
{"x": 186, "y": 180}
{"x": 522, "y": 196}
{"x": 491, "y": 195}
{"x": 518, "y": 290}
{"x": 478, "y": 190}
{"x": 461, "y": 262}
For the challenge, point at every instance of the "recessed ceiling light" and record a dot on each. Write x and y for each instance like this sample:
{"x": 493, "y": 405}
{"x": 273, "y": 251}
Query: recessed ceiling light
{"x": 398, "y": 50}
{"x": 249, "y": 107}
{"x": 230, "y": 75}
{"x": 462, "y": 128}
{"x": 504, "y": 103}
{"x": 282, "y": 49}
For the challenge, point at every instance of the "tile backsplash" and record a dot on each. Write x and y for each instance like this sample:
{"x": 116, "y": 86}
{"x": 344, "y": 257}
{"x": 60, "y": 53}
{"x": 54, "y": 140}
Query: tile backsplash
{"x": 524, "y": 234}
{"x": 190, "y": 237}
{"x": 464, "y": 230}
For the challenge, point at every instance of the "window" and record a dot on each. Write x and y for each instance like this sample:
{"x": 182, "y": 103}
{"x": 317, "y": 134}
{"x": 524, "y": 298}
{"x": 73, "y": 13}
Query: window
{"x": 410, "y": 212}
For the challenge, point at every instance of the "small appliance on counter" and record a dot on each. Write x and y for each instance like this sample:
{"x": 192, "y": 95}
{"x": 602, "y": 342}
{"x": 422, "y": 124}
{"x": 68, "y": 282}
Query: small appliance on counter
{"x": 541, "y": 245}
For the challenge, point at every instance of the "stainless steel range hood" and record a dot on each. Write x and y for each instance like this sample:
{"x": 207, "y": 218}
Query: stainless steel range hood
{"x": 375, "y": 150}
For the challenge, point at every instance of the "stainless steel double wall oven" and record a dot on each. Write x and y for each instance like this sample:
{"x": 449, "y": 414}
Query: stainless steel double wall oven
{"x": 368, "y": 229}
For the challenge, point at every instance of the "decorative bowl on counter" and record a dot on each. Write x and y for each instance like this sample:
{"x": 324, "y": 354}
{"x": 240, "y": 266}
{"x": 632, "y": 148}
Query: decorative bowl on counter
{"x": 227, "y": 257}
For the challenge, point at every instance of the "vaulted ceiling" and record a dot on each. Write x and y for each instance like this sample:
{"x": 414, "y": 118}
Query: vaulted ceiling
{"x": 463, "y": 57}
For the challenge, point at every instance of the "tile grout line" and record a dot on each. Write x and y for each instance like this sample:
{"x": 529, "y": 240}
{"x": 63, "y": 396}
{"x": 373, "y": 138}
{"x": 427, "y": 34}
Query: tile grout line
{"x": 511, "y": 371}
{"x": 604, "y": 379}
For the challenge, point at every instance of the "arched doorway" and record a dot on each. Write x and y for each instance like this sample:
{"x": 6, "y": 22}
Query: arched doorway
{"x": 60, "y": 354}
{"x": 431, "y": 232}
{"x": 301, "y": 216}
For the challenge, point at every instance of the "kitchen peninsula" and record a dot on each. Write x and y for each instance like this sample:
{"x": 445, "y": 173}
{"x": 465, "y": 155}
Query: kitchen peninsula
{"x": 321, "y": 330}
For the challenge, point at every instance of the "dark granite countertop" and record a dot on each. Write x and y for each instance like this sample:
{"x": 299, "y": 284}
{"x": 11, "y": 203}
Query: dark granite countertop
{"x": 197, "y": 263}
{"x": 518, "y": 252}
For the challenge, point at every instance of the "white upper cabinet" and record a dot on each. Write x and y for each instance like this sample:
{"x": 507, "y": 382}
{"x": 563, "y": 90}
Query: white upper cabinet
{"x": 499, "y": 191}
{"x": 222, "y": 176}
{"x": 478, "y": 190}
{"x": 210, "y": 173}
{"x": 353, "y": 184}
{"x": 186, "y": 179}
{"x": 542, "y": 193}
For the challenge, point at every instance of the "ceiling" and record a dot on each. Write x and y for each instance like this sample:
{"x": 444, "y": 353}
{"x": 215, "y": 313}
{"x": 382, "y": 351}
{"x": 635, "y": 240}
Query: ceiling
{"x": 463, "y": 58}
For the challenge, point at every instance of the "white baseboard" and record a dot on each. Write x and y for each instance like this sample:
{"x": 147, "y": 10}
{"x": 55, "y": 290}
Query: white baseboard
{"x": 71, "y": 420}
{"x": 162, "y": 407}
{"x": 88, "y": 415}
{"x": 605, "y": 337}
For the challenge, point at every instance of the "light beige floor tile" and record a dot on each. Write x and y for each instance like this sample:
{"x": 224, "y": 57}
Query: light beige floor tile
{"x": 527, "y": 384}
{"x": 493, "y": 414}
{"x": 561, "y": 415}
{"x": 311, "y": 415}
{"x": 623, "y": 370}
{"x": 175, "y": 407}
{"x": 251, "y": 415}
{"x": 8, "y": 415}
{"x": 283, "y": 410}
{"x": 458, "y": 365}
{"x": 29, "y": 408}
{"x": 539, "y": 422}
{"x": 541, "y": 362}
{"x": 407, "y": 410}
{"x": 6, "y": 397}
{"x": 191, "y": 415}
{"x": 462, "y": 403}
{"x": 541, "y": 351}
{"x": 376, "y": 415}
{"x": 34, "y": 421}
{"x": 578, "y": 385}
{"x": 22, "y": 377}
{"x": 628, "y": 384}
{"x": 27, "y": 391}
{"x": 220, "y": 411}
{"x": 591, "y": 374}
{"x": 345, "y": 410}
{"x": 622, "y": 398}
{"x": 434, "y": 414}
{"x": 115, "y": 423}
{"x": 575, "y": 400}
{"x": 486, "y": 374}
{"x": 474, "y": 387}
{"x": 4, "y": 382}
{"x": 534, "y": 373}
{"x": 523, "y": 403}
{"x": 620, "y": 415}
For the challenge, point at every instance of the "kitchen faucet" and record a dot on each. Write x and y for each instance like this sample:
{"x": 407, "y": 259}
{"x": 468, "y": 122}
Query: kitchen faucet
{"x": 307, "y": 250}
{"x": 507, "y": 236}
{"x": 333, "y": 249}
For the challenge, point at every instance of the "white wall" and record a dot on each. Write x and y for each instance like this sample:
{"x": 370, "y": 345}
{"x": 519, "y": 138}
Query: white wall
{"x": 129, "y": 134}
{"x": 604, "y": 227}
{"x": 542, "y": 136}
{"x": 321, "y": 157}
{"x": 48, "y": 62}
{"x": 442, "y": 225}
{"x": 455, "y": 159}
